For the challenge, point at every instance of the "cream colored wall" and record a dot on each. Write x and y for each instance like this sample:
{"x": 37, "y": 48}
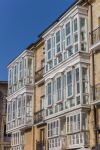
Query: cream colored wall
{"x": 96, "y": 15}
{"x": 37, "y": 135}
{"x": 39, "y": 91}
{"x": 39, "y": 56}
{"x": 28, "y": 139}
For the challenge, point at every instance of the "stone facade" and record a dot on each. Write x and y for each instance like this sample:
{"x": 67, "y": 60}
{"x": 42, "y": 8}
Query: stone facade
{"x": 5, "y": 140}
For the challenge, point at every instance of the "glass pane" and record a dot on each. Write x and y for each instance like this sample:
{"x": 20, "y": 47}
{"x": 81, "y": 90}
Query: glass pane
{"x": 77, "y": 74}
{"x": 49, "y": 55}
{"x": 58, "y": 48}
{"x": 68, "y": 40}
{"x": 69, "y": 77}
{"x": 85, "y": 99}
{"x": 84, "y": 74}
{"x": 76, "y": 47}
{"x": 49, "y": 44}
{"x": 70, "y": 52}
{"x": 75, "y": 24}
{"x": 78, "y": 100}
{"x": 49, "y": 93}
{"x": 68, "y": 28}
{"x": 82, "y": 22}
{"x": 58, "y": 37}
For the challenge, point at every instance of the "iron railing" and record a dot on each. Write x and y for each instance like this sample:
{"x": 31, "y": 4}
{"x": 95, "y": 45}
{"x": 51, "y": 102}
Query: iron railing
{"x": 39, "y": 74}
{"x": 39, "y": 116}
{"x": 7, "y": 139}
{"x": 95, "y": 36}
{"x": 40, "y": 145}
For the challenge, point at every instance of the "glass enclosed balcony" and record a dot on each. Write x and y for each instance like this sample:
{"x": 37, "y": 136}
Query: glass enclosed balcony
{"x": 20, "y": 72}
{"x": 78, "y": 140}
{"x": 19, "y": 113}
{"x": 95, "y": 39}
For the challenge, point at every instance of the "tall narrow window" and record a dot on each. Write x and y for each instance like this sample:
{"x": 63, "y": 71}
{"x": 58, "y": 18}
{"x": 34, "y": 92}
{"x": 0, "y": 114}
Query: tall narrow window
{"x": 20, "y": 70}
{"x": 15, "y": 74}
{"x": 75, "y": 34}
{"x": 85, "y": 80}
{"x": 49, "y": 93}
{"x": 9, "y": 112}
{"x": 49, "y": 55}
{"x": 58, "y": 88}
{"x": 78, "y": 122}
{"x": 58, "y": 47}
{"x": 69, "y": 83}
{"x": 19, "y": 107}
{"x": 85, "y": 85}
{"x": 68, "y": 34}
{"x": 71, "y": 124}
{"x": 83, "y": 34}
{"x": 30, "y": 73}
{"x": 68, "y": 125}
{"x": 77, "y": 81}
{"x": 29, "y": 105}
{"x": 14, "y": 109}
{"x": 10, "y": 81}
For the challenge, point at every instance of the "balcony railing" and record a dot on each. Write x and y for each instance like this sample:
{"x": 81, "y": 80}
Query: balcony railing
{"x": 40, "y": 145}
{"x": 7, "y": 139}
{"x": 39, "y": 74}
{"x": 39, "y": 116}
{"x": 97, "y": 92}
{"x": 95, "y": 37}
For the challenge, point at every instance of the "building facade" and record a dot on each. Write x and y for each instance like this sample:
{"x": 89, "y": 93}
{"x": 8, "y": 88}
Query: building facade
{"x": 5, "y": 140}
{"x": 20, "y": 101}
{"x": 94, "y": 47}
{"x": 67, "y": 100}
{"x": 54, "y": 85}
{"x": 40, "y": 127}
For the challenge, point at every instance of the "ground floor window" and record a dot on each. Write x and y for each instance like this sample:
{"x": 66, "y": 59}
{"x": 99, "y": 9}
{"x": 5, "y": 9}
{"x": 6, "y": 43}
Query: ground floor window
{"x": 54, "y": 143}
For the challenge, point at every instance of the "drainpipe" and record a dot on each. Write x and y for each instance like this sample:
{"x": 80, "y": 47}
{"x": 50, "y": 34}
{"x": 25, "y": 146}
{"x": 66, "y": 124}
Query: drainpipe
{"x": 93, "y": 74}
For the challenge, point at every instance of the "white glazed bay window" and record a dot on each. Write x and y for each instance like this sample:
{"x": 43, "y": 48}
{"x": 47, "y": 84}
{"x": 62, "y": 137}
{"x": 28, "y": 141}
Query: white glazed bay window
{"x": 20, "y": 73}
{"x": 53, "y": 131}
{"x": 77, "y": 129}
{"x": 55, "y": 141}
{"x": 17, "y": 141}
{"x": 76, "y": 88}
{"x": 19, "y": 112}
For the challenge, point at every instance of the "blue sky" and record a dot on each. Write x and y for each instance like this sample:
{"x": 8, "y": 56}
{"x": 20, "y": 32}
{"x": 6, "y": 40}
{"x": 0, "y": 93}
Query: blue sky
{"x": 21, "y": 21}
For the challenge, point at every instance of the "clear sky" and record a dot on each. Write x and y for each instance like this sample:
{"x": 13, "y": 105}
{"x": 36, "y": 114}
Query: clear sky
{"x": 21, "y": 21}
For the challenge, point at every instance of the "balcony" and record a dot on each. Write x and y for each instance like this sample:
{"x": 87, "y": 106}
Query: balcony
{"x": 95, "y": 39}
{"x": 39, "y": 116}
{"x": 77, "y": 140}
{"x": 7, "y": 139}
{"x": 39, "y": 74}
{"x": 40, "y": 145}
{"x": 97, "y": 94}
{"x": 21, "y": 123}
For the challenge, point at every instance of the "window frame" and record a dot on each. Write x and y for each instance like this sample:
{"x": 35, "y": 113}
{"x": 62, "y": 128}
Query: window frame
{"x": 58, "y": 43}
{"x": 69, "y": 35}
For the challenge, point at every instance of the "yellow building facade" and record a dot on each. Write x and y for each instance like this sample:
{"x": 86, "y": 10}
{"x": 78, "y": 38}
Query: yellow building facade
{"x": 54, "y": 85}
{"x": 40, "y": 127}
